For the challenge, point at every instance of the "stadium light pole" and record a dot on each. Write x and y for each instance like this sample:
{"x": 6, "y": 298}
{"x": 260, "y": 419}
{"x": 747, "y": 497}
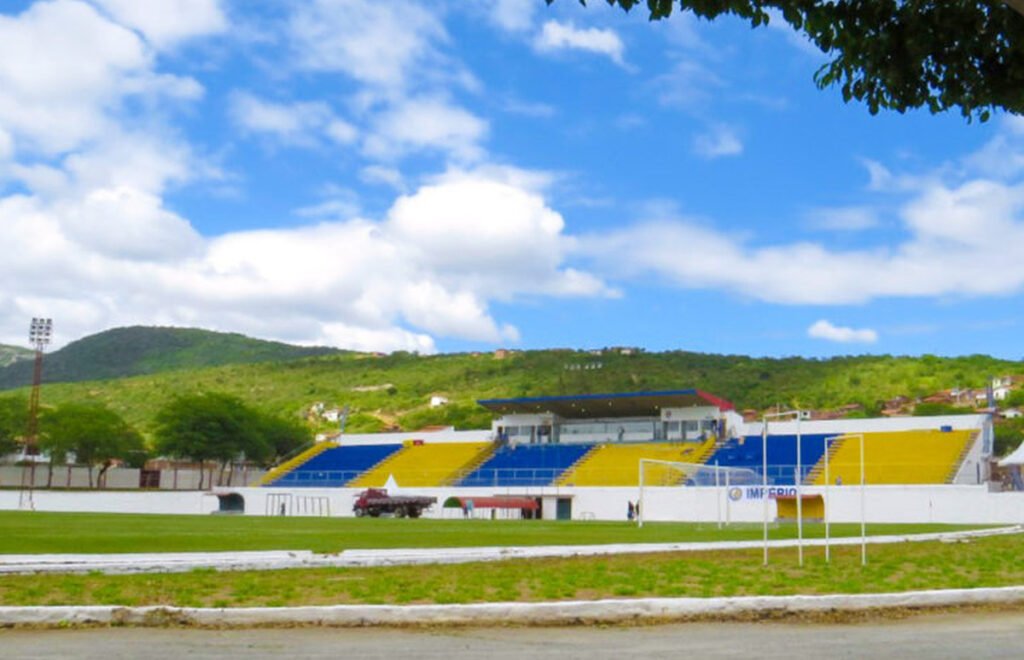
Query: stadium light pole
{"x": 40, "y": 332}
{"x": 798, "y": 415}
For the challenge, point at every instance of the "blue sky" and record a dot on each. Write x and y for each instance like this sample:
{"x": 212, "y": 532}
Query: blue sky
{"x": 462, "y": 175}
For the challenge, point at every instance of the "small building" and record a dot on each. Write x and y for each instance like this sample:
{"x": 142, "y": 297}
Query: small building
{"x": 437, "y": 401}
{"x": 673, "y": 416}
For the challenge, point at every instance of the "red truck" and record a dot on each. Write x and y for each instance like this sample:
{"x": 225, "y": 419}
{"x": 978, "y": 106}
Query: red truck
{"x": 375, "y": 501}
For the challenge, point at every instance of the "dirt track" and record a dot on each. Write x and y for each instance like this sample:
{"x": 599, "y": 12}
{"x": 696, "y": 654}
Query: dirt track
{"x": 976, "y": 634}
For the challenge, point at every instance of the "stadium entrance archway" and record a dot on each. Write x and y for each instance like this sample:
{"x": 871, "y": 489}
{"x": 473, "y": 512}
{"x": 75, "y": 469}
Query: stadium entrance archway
{"x": 231, "y": 503}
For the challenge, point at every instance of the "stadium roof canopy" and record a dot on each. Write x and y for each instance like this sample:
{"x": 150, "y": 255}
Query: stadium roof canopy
{"x": 590, "y": 406}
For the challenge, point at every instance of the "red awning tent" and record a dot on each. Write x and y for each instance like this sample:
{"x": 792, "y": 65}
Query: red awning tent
{"x": 493, "y": 502}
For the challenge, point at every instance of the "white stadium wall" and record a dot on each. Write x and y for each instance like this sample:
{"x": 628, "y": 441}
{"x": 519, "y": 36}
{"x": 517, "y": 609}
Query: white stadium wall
{"x": 119, "y": 501}
{"x": 884, "y": 504}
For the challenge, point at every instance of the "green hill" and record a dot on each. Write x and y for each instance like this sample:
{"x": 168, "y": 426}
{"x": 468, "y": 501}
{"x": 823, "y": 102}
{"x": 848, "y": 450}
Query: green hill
{"x": 395, "y": 389}
{"x": 123, "y": 352}
{"x": 12, "y": 354}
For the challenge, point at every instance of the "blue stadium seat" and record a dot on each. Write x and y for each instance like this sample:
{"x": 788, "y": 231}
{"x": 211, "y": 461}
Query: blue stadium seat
{"x": 747, "y": 453}
{"x": 335, "y": 467}
{"x": 526, "y": 465}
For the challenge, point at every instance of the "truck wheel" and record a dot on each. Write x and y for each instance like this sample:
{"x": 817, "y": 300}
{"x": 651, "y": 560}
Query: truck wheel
{"x": 360, "y": 513}
{"x": 400, "y": 512}
{"x": 375, "y": 513}
{"x": 414, "y": 512}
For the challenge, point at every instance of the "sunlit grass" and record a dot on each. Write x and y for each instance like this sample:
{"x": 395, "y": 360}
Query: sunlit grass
{"x": 988, "y": 562}
{"x": 45, "y": 532}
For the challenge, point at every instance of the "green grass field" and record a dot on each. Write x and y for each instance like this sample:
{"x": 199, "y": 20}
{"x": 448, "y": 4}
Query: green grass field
{"x": 38, "y": 532}
{"x": 988, "y": 562}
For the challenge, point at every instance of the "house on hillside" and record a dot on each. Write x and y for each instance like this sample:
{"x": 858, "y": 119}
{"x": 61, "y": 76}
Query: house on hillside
{"x": 437, "y": 401}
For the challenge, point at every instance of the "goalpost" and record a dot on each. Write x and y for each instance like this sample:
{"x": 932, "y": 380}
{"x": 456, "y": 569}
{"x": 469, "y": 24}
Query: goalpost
{"x": 660, "y": 474}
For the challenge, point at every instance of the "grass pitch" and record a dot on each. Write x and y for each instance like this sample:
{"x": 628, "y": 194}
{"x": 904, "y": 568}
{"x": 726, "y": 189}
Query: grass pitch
{"x": 987, "y": 562}
{"x": 39, "y": 532}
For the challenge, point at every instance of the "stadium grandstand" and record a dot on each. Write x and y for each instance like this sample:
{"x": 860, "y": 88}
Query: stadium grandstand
{"x": 565, "y": 447}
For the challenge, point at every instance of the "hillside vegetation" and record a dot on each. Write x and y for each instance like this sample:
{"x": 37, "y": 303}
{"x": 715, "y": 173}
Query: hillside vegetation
{"x": 11, "y": 354}
{"x": 140, "y": 350}
{"x": 394, "y": 390}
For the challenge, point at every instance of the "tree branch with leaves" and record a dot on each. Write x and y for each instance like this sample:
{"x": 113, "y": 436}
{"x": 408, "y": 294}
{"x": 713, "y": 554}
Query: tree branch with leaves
{"x": 896, "y": 54}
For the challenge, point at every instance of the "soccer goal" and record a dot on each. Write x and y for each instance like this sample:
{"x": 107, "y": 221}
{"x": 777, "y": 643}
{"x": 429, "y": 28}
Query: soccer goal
{"x": 656, "y": 473}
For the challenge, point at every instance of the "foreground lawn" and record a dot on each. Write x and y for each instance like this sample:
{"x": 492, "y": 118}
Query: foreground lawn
{"x": 38, "y": 532}
{"x": 984, "y": 562}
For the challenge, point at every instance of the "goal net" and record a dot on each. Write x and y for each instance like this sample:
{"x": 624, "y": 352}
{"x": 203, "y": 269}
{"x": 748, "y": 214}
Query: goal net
{"x": 656, "y": 473}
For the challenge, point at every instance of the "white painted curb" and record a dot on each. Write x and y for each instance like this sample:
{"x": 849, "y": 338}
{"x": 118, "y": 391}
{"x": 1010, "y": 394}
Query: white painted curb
{"x": 567, "y": 612}
{"x": 276, "y": 560}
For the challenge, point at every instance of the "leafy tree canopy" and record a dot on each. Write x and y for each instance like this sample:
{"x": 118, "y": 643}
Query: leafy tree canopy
{"x": 13, "y": 421}
{"x": 896, "y": 54}
{"x": 220, "y": 427}
{"x": 94, "y": 433}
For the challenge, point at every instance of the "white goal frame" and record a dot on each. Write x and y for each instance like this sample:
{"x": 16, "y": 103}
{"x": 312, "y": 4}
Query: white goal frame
{"x": 722, "y": 482}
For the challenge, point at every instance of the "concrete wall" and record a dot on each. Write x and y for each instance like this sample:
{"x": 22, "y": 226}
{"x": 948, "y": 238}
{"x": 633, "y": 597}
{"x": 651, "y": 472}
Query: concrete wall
{"x": 170, "y": 502}
{"x": 117, "y": 478}
{"x": 446, "y": 435}
{"x": 890, "y": 504}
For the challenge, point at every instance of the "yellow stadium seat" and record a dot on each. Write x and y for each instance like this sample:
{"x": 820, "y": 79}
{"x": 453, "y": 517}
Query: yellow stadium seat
{"x": 617, "y": 464}
{"x": 425, "y": 465}
{"x": 901, "y": 457}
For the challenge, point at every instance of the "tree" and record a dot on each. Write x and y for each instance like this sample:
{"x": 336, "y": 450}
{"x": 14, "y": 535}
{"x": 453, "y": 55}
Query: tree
{"x": 222, "y": 428}
{"x": 13, "y": 422}
{"x": 281, "y": 437}
{"x": 95, "y": 434}
{"x": 897, "y": 54}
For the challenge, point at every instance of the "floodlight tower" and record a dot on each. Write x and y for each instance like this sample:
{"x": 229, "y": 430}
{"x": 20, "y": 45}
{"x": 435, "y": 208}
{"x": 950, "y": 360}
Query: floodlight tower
{"x": 40, "y": 332}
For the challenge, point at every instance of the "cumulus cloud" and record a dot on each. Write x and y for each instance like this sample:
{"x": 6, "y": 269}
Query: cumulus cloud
{"x": 825, "y": 330}
{"x": 379, "y": 174}
{"x": 57, "y": 102}
{"x": 376, "y": 43}
{"x": 719, "y": 141}
{"x": 958, "y": 236}
{"x": 513, "y": 15}
{"x": 556, "y": 36}
{"x": 849, "y": 218}
{"x": 429, "y": 268}
{"x": 166, "y": 23}
{"x": 296, "y": 124}
{"x": 426, "y": 123}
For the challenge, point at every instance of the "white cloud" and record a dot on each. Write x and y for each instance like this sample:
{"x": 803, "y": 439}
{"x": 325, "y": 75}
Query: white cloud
{"x": 377, "y": 43}
{"x": 688, "y": 85}
{"x": 850, "y": 218}
{"x": 6, "y": 145}
{"x": 57, "y": 102}
{"x": 296, "y": 124}
{"x": 963, "y": 240}
{"x": 717, "y": 142}
{"x": 825, "y": 330}
{"x": 166, "y": 23}
{"x": 426, "y": 123}
{"x": 378, "y": 174}
{"x": 143, "y": 229}
{"x": 513, "y": 15}
{"x": 431, "y": 267}
{"x": 556, "y": 36}
{"x": 529, "y": 109}
{"x": 341, "y": 205}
